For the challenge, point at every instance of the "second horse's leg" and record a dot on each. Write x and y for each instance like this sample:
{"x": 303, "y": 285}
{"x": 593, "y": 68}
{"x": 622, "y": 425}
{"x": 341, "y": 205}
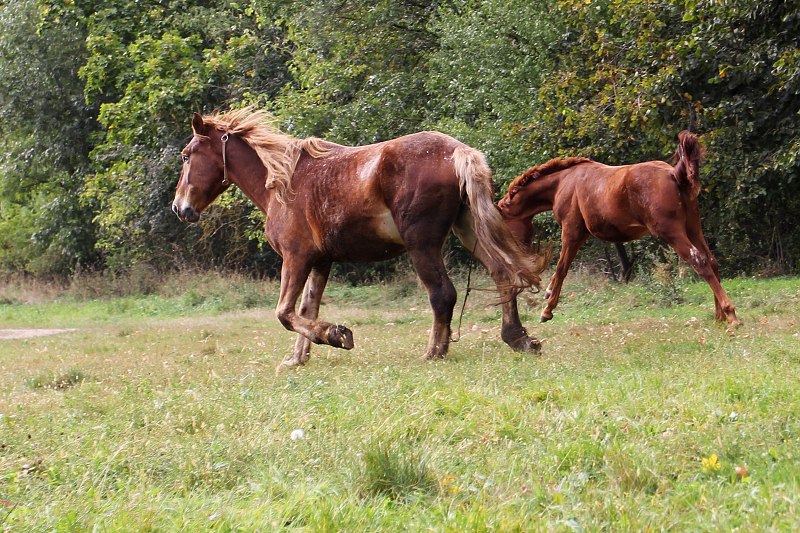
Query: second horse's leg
{"x": 702, "y": 263}
{"x": 571, "y": 241}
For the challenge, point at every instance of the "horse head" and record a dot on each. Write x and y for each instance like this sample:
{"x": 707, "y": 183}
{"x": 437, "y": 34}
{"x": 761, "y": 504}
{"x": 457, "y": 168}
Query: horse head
{"x": 203, "y": 176}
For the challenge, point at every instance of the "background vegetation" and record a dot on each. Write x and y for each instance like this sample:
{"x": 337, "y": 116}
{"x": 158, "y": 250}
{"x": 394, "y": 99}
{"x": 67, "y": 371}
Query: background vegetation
{"x": 96, "y": 96}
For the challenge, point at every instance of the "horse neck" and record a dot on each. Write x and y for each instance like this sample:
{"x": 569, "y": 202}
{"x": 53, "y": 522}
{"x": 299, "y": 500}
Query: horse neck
{"x": 247, "y": 172}
{"x": 539, "y": 194}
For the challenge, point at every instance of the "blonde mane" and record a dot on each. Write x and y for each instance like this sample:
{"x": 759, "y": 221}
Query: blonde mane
{"x": 278, "y": 151}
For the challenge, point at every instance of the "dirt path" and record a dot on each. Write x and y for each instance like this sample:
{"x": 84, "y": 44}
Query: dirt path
{"x": 29, "y": 333}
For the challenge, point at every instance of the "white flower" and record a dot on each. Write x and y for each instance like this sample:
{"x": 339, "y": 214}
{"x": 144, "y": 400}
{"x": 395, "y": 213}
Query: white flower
{"x": 297, "y": 434}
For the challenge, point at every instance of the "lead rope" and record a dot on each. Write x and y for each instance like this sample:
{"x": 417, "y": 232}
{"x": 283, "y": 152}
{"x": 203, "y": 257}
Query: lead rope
{"x": 466, "y": 294}
{"x": 224, "y": 139}
{"x": 470, "y": 288}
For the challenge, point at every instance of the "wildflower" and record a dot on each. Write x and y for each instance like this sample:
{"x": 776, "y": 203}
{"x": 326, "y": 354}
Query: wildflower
{"x": 711, "y": 463}
{"x": 742, "y": 473}
{"x": 448, "y": 483}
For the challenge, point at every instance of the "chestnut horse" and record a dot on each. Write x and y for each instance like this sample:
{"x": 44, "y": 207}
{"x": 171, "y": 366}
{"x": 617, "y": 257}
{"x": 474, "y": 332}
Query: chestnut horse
{"x": 326, "y": 203}
{"x": 618, "y": 204}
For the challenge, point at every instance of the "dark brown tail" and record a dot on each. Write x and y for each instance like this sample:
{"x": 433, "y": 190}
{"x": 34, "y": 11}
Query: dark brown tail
{"x": 687, "y": 167}
{"x": 504, "y": 253}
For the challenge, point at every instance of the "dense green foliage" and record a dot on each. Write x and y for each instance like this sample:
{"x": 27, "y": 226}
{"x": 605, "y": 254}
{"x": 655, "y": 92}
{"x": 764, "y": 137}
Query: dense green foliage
{"x": 96, "y": 96}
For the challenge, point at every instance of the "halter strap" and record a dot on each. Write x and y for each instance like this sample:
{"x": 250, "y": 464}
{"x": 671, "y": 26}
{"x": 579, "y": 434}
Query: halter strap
{"x": 224, "y": 139}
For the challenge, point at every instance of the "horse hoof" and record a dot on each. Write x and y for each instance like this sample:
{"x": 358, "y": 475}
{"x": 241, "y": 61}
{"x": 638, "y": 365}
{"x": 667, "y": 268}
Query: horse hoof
{"x": 545, "y": 317}
{"x": 528, "y": 344}
{"x": 432, "y": 356}
{"x": 733, "y": 325}
{"x": 288, "y": 363}
{"x": 340, "y": 337}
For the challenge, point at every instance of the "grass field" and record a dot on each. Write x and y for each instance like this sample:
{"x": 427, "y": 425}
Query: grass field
{"x": 164, "y": 412}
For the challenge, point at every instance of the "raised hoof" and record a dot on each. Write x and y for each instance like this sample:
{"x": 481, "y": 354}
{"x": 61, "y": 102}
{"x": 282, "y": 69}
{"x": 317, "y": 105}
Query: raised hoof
{"x": 340, "y": 337}
{"x": 545, "y": 317}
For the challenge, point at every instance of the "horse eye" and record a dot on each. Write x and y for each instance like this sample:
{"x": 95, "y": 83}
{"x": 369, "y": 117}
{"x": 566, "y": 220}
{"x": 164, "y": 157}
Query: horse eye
{"x": 185, "y": 158}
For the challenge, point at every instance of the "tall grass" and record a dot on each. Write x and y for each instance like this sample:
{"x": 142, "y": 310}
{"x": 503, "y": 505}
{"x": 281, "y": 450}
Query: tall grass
{"x": 395, "y": 471}
{"x": 639, "y": 414}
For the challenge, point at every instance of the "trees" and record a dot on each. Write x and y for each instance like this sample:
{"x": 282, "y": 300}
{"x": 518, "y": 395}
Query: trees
{"x": 44, "y": 130}
{"x": 148, "y": 66}
{"x": 359, "y": 69}
{"x": 484, "y": 77}
{"x": 744, "y": 63}
{"x": 95, "y": 97}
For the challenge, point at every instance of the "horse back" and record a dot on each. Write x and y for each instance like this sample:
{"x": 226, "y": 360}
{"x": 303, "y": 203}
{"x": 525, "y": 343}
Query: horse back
{"x": 355, "y": 203}
{"x": 621, "y": 203}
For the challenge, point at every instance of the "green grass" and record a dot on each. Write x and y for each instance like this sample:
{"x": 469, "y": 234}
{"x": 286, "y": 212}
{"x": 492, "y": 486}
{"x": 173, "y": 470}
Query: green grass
{"x": 178, "y": 421}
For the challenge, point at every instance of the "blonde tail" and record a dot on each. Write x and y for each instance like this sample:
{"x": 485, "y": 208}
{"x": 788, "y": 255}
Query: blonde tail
{"x": 505, "y": 255}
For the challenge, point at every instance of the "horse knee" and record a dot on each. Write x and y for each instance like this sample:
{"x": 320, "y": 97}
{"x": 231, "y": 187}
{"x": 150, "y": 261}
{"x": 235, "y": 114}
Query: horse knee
{"x": 284, "y": 316}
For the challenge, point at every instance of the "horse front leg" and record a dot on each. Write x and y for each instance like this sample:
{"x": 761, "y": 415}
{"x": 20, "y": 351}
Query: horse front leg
{"x": 309, "y": 308}
{"x": 294, "y": 274}
{"x": 571, "y": 241}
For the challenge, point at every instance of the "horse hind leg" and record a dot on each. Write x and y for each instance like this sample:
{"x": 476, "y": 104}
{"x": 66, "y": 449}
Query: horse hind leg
{"x": 700, "y": 258}
{"x": 512, "y": 331}
{"x": 430, "y": 269}
{"x": 309, "y": 308}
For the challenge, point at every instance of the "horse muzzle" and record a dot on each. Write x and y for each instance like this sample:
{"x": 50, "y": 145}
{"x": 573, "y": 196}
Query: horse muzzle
{"x": 185, "y": 213}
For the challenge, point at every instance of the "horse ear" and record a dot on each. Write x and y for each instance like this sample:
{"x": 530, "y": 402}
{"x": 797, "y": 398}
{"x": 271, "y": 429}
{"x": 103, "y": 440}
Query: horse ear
{"x": 198, "y": 126}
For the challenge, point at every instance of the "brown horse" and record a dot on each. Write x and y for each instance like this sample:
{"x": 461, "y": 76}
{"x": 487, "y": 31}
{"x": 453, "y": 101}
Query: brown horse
{"x": 618, "y": 204}
{"x": 325, "y": 203}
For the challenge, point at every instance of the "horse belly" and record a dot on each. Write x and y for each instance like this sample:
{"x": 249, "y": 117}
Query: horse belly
{"x": 620, "y": 231}
{"x": 372, "y": 238}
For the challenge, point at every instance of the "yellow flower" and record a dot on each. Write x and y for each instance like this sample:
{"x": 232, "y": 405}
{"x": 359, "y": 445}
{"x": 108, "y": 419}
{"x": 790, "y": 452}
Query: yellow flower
{"x": 448, "y": 484}
{"x": 711, "y": 463}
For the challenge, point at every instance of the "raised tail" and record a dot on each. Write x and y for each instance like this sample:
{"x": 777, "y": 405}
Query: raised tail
{"x": 505, "y": 255}
{"x": 688, "y": 156}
